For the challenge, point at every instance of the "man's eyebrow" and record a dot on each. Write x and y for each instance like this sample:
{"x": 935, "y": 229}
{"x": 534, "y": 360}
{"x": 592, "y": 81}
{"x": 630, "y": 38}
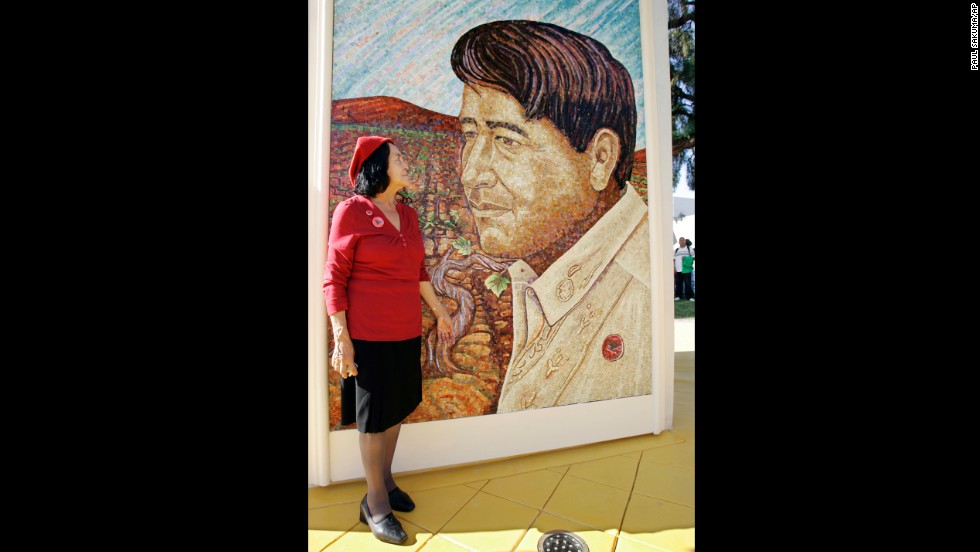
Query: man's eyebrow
{"x": 508, "y": 126}
{"x": 494, "y": 124}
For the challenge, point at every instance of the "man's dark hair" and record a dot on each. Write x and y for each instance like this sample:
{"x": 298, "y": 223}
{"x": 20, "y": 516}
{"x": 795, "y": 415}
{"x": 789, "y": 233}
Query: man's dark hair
{"x": 373, "y": 178}
{"x": 556, "y": 73}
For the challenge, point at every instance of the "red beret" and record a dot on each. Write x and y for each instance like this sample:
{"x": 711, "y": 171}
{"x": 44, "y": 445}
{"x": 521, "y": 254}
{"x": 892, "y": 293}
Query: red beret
{"x": 366, "y": 145}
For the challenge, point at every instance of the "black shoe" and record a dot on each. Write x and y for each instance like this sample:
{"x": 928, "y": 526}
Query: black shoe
{"x": 387, "y": 530}
{"x": 400, "y": 500}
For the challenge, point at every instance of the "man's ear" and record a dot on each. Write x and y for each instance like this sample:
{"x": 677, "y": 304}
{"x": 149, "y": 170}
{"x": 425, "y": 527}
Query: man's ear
{"x": 603, "y": 152}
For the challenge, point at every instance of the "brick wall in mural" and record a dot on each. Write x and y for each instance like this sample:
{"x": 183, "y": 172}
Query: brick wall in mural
{"x": 582, "y": 321}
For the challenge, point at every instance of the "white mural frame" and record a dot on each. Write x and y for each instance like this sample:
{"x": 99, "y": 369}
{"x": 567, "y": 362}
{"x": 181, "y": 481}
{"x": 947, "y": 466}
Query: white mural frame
{"x": 334, "y": 456}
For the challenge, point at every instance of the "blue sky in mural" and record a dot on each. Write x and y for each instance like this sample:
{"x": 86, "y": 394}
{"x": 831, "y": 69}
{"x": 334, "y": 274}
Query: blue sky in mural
{"x": 402, "y": 48}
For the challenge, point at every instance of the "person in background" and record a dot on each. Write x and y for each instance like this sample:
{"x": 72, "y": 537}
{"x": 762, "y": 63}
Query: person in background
{"x": 690, "y": 244}
{"x": 682, "y": 279}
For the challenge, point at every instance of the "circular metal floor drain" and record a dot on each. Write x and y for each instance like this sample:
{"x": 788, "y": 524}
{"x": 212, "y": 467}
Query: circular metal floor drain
{"x": 561, "y": 541}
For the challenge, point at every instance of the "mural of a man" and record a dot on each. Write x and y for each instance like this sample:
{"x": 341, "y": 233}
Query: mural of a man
{"x": 549, "y": 121}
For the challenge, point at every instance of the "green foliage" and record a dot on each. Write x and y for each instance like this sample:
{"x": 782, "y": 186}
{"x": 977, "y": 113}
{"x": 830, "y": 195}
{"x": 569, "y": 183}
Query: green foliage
{"x": 681, "y": 46}
{"x": 452, "y": 221}
{"x": 497, "y": 283}
{"x": 465, "y": 247}
{"x": 449, "y": 222}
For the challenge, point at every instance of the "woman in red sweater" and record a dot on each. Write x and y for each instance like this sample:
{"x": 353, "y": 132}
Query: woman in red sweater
{"x": 374, "y": 275}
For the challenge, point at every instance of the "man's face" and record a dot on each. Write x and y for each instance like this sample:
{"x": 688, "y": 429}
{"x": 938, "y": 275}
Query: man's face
{"x": 681, "y": 242}
{"x": 525, "y": 184}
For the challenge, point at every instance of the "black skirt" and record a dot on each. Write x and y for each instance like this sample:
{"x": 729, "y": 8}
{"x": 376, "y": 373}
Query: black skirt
{"x": 387, "y": 387}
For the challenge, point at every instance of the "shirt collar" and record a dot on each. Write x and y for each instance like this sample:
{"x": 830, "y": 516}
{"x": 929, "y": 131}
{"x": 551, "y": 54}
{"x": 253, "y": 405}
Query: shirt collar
{"x": 571, "y": 276}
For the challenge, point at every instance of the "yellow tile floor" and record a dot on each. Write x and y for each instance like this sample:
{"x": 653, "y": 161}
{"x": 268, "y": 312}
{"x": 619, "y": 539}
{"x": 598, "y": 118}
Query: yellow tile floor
{"x": 628, "y": 495}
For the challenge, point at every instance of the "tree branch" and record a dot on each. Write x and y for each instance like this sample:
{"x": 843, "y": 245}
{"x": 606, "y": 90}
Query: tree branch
{"x": 680, "y": 145}
{"x": 681, "y": 111}
{"x": 675, "y": 23}
{"x": 676, "y": 90}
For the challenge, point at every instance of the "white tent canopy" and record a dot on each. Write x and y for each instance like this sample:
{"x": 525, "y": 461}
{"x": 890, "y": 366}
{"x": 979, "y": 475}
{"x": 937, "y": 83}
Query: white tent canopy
{"x": 683, "y": 224}
{"x": 683, "y": 207}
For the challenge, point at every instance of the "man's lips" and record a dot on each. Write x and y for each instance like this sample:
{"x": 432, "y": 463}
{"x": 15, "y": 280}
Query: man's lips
{"x": 488, "y": 209}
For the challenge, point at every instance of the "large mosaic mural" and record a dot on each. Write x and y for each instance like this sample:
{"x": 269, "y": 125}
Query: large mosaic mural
{"x": 520, "y": 125}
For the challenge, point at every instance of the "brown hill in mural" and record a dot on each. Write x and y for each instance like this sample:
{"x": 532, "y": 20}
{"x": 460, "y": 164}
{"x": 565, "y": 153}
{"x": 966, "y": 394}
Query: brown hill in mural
{"x": 393, "y": 112}
{"x": 639, "y": 176}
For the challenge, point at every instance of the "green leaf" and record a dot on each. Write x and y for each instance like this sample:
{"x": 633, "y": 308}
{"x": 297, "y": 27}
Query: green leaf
{"x": 429, "y": 221}
{"x": 497, "y": 283}
{"x": 464, "y": 246}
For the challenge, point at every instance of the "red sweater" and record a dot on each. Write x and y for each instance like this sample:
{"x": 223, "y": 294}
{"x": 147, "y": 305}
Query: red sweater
{"x": 373, "y": 271}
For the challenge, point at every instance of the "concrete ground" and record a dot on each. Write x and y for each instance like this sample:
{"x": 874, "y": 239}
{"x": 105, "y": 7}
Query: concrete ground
{"x": 628, "y": 495}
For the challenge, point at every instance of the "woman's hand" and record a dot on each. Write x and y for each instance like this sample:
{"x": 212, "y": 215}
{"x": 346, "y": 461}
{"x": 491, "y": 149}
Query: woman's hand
{"x": 343, "y": 357}
{"x": 444, "y": 326}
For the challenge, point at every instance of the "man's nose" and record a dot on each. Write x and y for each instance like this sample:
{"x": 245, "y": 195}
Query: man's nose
{"x": 476, "y": 165}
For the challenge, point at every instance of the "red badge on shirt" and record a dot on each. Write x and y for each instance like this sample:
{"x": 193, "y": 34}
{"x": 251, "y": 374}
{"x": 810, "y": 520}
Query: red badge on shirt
{"x": 378, "y": 221}
{"x": 612, "y": 347}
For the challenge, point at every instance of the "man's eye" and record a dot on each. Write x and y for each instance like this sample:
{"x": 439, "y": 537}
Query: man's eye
{"x": 506, "y": 141}
{"x": 469, "y": 135}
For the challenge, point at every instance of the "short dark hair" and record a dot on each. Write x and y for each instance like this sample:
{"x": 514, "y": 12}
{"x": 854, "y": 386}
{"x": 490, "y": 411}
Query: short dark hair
{"x": 553, "y": 72}
{"x": 373, "y": 178}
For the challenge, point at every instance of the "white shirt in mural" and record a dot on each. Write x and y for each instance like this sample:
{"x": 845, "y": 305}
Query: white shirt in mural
{"x": 582, "y": 329}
